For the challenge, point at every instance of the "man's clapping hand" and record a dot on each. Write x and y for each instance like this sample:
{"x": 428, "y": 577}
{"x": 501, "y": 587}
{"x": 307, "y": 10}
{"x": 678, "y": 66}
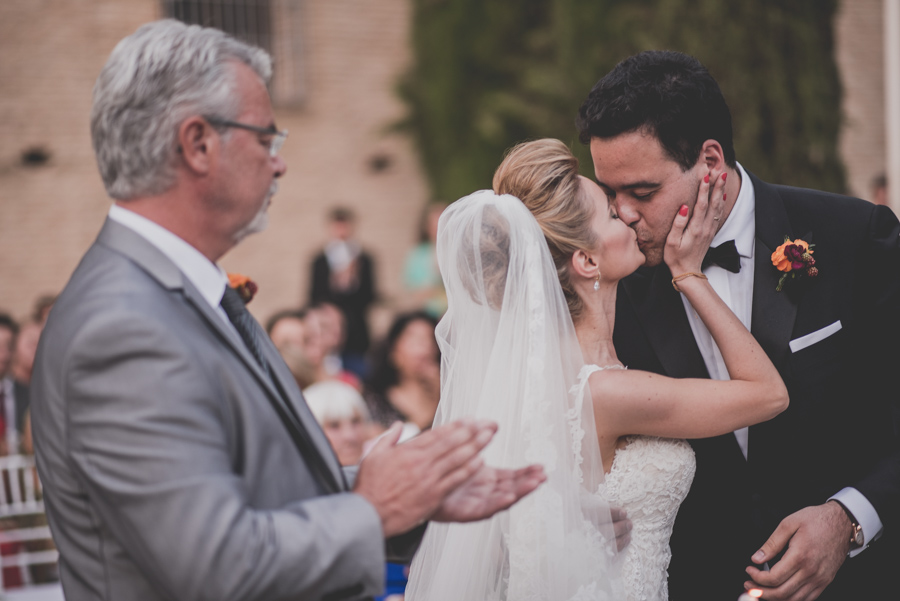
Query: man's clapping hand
{"x": 439, "y": 475}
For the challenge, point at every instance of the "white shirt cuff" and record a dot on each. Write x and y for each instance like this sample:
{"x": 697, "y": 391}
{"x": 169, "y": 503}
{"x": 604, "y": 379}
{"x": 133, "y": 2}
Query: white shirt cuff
{"x": 865, "y": 515}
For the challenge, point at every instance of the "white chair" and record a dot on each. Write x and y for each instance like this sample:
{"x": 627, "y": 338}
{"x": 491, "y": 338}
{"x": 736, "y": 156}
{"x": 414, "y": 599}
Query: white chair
{"x": 22, "y": 516}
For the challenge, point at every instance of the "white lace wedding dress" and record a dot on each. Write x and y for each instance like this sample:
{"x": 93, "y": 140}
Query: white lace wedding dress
{"x": 649, "y": 478}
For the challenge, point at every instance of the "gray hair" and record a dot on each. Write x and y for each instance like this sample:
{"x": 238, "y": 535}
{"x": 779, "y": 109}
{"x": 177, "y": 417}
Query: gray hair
{"x": 334, "y": 400}
{"x": 154, "y": 79}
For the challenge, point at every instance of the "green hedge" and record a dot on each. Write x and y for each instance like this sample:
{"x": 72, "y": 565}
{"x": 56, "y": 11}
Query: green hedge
{"x": 490, "y": 73}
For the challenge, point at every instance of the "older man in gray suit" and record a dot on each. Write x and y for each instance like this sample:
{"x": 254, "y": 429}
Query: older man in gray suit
{"x": 178, "y": 457}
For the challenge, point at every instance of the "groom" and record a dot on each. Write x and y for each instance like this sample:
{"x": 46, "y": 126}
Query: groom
{"x": 178, "y": 457}
{"x": 813, "y": 495}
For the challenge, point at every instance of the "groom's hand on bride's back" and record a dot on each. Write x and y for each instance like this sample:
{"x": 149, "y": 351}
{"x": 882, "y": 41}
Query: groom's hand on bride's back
{"x": 438, "y": 474}
{"x": 621, "y": 526}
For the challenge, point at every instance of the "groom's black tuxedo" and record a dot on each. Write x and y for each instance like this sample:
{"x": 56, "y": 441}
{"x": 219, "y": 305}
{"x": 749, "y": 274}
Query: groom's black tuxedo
{"x": 841, "y": 428}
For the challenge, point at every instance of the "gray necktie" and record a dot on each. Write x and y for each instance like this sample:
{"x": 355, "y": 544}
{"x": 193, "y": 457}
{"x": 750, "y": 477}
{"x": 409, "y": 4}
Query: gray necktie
{"x": 245, "y": 325}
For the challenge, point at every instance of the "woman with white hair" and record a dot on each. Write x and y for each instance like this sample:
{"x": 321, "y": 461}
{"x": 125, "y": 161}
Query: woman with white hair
{"x": 343, "y": 415}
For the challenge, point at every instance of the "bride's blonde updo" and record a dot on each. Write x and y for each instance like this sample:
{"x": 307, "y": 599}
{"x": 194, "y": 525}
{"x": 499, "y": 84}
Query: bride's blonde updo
{"x": 543, "y": 174}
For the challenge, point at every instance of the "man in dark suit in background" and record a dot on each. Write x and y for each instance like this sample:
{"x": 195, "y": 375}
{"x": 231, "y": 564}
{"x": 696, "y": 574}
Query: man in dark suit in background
{"x": 822, "y": 480}
{"x": 343, "y": 274}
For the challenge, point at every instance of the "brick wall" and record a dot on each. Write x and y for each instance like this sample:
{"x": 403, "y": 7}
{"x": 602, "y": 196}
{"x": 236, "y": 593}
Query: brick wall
{"x": 859, "y": 46}
{"x": 353, "y": 51}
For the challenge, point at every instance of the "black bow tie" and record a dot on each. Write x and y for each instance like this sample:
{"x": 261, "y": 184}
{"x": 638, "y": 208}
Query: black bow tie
{"x": 725, "y": 256}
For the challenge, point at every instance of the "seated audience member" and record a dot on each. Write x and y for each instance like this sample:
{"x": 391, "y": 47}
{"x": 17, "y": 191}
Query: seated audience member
{"x": 298, "y": 344}
{"x": 421, "y": 276}
{"x": 15, "y": 409}
{"x": 9, "y": 330}
{"x": 405, "y": 381}
{"x": 42, "y": 307}
{"x": 16, "y": 357}
{"x": 343, "y": 415}
{"x": 287, "y": 327}
{"x": 300, "y": 337}
{"x": 331, "y": 326}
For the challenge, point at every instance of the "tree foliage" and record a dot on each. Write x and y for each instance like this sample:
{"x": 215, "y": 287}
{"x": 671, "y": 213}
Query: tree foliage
{"x": 490, "y": 73}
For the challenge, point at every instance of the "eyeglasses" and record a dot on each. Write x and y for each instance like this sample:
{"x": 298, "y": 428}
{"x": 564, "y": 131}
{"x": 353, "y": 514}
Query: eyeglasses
{"x": 275, "y": 144}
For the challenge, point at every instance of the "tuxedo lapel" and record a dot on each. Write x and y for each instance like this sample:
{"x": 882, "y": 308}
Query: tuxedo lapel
{"x": 301, "y": 424}
{"x": 661, "y": 313}
{"x": 773, "y": 312}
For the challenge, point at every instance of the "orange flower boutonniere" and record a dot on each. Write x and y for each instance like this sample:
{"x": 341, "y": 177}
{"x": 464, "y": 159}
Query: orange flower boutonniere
{"x": 795, "y": 259}
{"x": 243, "y": 285}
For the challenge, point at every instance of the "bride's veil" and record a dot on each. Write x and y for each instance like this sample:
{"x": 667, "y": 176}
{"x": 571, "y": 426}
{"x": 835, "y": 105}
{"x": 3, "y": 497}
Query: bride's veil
{"x": 509, "y": 354}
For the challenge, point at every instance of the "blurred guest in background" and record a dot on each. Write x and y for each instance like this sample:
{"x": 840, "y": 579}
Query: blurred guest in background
{"x": 405, "y": 381}
{"x": 42, "y": 308}
{"x": 342, "y": 413}
{"x": 17, "y": 347}
{"x": 333, "y": 330}
{"x": 879, "y": 189}
{"x": 297, "y": 342}
{"x": 421, "y": 276}
{"x": 15, "y": 410}
{"x": 343, "y": 275}
{"x": 287, "y": 327}
{"x": 9, "y": 329}
{"x": 25, "y": 349}
{"x": 304, "y": 337}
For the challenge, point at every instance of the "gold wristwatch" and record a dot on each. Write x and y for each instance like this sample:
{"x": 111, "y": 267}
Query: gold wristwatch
{"x": 857, "y": 539}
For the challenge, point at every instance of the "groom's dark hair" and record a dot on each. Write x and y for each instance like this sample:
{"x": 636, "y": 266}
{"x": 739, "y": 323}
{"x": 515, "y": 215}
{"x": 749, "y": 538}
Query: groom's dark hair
{"x": 667, "y": 94}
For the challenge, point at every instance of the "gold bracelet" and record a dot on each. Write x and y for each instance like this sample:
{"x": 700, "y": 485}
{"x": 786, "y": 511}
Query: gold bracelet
{"x": 686, "y": 275}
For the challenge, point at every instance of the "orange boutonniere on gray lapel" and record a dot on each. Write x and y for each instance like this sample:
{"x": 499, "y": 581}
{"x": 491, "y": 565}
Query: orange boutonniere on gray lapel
{"x": 795, "y": 259}
{"x": 244, "y": 286}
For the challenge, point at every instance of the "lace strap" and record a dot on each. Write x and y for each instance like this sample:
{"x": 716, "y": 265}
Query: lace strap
{"x": 573, "y": 415}
{"x": 584, "y": 376}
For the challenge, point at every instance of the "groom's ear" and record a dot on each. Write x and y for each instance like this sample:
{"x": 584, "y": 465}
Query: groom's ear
{"x": 712, "y": 156}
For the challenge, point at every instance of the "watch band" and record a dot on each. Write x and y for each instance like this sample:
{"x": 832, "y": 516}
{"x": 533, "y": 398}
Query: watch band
{"x": 857, "y": 538}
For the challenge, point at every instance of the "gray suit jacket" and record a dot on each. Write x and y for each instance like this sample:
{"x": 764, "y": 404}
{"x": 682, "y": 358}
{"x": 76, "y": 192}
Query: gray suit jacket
{"x": 166, "y": 470}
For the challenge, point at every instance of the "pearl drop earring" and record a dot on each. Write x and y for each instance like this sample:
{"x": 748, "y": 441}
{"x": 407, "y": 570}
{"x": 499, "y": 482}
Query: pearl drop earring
{"x": 597, "y": 283}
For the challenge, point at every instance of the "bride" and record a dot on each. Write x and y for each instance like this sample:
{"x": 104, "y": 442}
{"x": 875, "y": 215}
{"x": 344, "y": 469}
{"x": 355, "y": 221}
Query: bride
{"x": 531, "y": 272}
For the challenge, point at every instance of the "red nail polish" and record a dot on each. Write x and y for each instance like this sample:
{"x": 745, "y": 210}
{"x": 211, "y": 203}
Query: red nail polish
{"x": 706, "y": 178}
{"x": 724, "y": 176}
{"x": 684, "y": 209}
{"x": 724, "y": 196}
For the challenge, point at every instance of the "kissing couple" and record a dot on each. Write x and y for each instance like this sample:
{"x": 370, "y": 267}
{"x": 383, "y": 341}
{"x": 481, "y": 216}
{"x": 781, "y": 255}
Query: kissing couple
{"x": 640, "y": 336}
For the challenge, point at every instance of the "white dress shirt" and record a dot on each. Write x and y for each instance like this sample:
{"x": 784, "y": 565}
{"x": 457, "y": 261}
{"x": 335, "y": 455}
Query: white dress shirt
{"x": 736, "y": 290}
{"x": 206, "y": 276}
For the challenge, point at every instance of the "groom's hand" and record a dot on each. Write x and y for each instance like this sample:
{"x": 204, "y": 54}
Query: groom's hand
{"x": 621, "y": 526}
{"x": 817, "y": 540}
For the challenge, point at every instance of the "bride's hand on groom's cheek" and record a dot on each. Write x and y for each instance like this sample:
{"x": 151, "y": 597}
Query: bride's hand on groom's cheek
{"x": 692, "y": 232}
